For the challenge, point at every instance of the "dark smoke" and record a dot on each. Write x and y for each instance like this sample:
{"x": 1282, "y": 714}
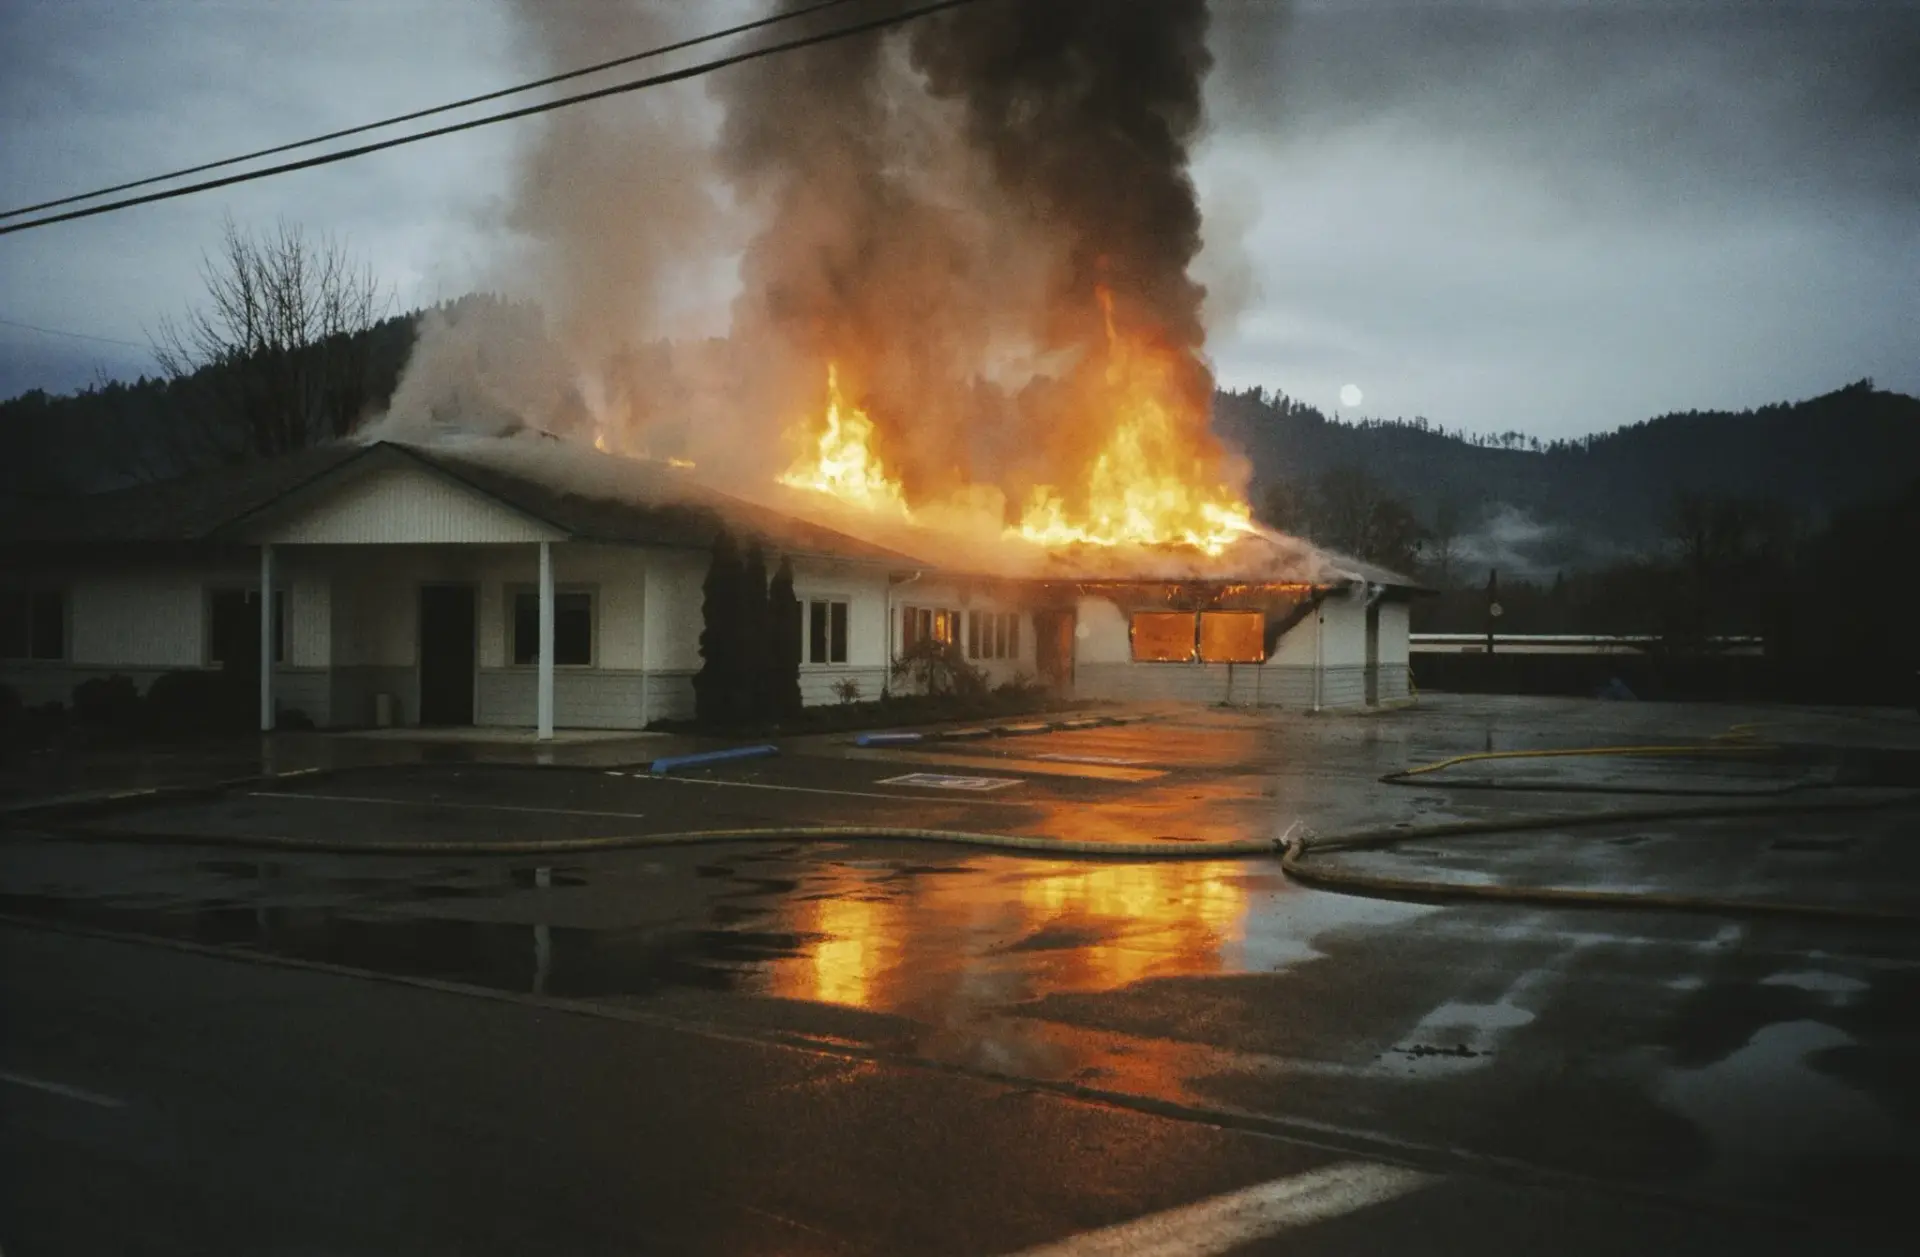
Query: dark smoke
{"x": 937, "y": 211}
{"x": 1086, "y": 111}
{"x": 941, "y": 212}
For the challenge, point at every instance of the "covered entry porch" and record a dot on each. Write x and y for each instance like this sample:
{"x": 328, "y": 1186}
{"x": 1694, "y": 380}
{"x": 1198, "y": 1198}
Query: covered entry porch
{"x": 408, "y": 599}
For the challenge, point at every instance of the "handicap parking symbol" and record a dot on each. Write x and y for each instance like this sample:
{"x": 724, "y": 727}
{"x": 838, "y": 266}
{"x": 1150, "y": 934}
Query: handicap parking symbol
{"x": 947, "y": 781}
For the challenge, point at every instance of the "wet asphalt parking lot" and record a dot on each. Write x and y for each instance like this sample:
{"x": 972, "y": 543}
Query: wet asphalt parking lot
{"x": 868, "y": 1046}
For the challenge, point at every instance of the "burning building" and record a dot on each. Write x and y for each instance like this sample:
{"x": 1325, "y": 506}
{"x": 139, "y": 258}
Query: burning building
{"x": 960, "y": 383}
{"x": 541, "y": 584}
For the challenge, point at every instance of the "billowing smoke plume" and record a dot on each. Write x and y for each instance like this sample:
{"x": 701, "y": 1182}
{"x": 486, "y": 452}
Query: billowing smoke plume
{"x": 984, "y": 220}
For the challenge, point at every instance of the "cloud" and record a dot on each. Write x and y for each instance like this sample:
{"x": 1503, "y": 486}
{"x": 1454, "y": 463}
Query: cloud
{"x": 1549, "y": 215}
{"x": 1559, "y": 217}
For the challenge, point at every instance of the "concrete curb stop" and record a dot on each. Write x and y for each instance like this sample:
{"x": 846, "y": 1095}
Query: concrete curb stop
{"x": 888, "y": 739}
{"x": 667, "y": 763}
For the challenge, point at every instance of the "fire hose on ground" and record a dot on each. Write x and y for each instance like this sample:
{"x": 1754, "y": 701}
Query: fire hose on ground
{"x": 1295, "y": 848}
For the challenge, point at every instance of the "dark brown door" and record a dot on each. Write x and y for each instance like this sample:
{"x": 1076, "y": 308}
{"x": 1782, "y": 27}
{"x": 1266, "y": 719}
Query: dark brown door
{"x": 446, "y": 654}
{"x": 1053, "y": 647}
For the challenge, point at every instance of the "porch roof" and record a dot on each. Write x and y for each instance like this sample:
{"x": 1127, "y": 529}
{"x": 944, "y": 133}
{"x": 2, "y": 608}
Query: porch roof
{"x": 622, "y": 502}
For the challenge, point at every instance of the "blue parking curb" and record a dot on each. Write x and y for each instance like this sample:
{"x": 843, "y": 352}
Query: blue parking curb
{"x": 887, "y": 739}
{"x": 670, "y": 762}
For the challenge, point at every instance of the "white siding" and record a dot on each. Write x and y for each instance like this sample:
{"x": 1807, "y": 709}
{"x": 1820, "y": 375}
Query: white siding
{"x": 617, "y": 577}
{"x": 1101, "y": 633}
{"x": 672, "y": 632}
{"x": 1334, "y": 636}
{"x": 1346, "y": 629}
{"x": 402, "y": 506}
{"x": 138, "y": 619}
{"x": 864, "y": 590}
{"x": 1242, "y": 685}
{"x": 1396, "y": 619}
{"x": 817, "y": 684}
{"x": 968, "y": 598}
{"x": 587, "y": 698}
{"x": 375, "y": 607}
{"x": 309, "y": 612}
{"x": 1295, "y": 649}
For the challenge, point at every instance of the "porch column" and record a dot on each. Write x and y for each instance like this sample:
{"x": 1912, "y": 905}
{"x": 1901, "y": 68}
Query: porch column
{"x": 266, "y": 639}
{"x": 545, "y": 701}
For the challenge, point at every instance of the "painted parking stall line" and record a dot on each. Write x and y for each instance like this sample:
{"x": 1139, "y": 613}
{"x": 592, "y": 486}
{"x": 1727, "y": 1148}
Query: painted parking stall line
{"x": 1226, "y": 1222}
{"x": 442, "y": 804}
{"x": 1113, "y": 760}
{"x": 949, "y": 781}
{"x": 64, "y": 1090}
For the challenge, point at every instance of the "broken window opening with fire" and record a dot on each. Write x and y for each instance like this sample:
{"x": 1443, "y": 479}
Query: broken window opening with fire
{"x": 918, "y": 624}
{"x": 1204, "y": 637}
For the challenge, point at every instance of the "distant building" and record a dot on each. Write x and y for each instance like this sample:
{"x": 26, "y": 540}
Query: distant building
{"x": 409, "y": 584}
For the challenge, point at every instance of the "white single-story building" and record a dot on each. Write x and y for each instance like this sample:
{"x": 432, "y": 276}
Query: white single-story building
{"x": 522, "y": 584}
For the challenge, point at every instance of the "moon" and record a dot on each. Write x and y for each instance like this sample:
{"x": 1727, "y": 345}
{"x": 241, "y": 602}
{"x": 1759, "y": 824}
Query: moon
{"x": 1350, "y": 395}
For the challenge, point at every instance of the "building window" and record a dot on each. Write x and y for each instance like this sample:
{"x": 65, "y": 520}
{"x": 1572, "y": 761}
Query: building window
{"x": 826, "y": 631}
{"x": 1163, "y": 636}
{"x": 233, "y": 627}
{"x": 917, "y": 624}
{"x": 572, "y": 628}
{"x": 993, "y": 635}
{"x": 1233, "y": 636}
{"x": 33, "y": 624}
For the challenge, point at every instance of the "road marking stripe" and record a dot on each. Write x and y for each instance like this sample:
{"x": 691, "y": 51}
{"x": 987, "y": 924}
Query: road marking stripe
{"x": 62, "y": 1089}
{"x": 438, "y": 803}
{"x": 1008, "y": 763}
{"x": 1225, "y": 1222}
{"x": 970, "y": 801}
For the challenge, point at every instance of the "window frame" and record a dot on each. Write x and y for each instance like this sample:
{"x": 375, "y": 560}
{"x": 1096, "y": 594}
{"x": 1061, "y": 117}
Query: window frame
{"x": 954, "y": 622}
{"x": 511, "y": 595}
{"x": 1193, "y": 644}
{"x": 30, "y": 596}
{"x": 993, "y": 635}
{"x": 828, "y": 602}
{"x": 1200, "y": 634}
{"x": 282, "y": 614}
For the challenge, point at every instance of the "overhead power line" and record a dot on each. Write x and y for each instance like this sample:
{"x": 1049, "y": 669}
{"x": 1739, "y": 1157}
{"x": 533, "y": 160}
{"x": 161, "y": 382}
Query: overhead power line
{"x": 418, "y": 114}
{"x": 346, "y": 154}
{"x": 54, "y": 331}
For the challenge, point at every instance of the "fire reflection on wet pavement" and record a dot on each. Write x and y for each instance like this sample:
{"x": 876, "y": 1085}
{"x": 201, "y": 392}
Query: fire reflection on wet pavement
{"x": 883, "y": 933}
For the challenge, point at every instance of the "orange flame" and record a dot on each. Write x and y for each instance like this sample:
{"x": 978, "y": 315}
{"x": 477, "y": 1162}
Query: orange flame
{"x": 1150, "y": 484}
{"x": 842, "y": 461}
{"x": 1146, "y": 487}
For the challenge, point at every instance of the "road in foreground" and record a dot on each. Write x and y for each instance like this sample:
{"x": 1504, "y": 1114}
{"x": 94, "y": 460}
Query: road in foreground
{"x": 879, "y": 1048}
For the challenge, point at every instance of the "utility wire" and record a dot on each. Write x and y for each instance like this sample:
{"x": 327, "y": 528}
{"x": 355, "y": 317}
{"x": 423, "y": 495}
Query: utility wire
{"x": 54, "y": 331}
{"x": 418, "y": 114}
{"x": 658, "y": 80}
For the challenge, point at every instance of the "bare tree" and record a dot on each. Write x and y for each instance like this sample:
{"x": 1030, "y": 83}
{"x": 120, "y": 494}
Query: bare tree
{"x": 1444, "y": 542}
{"x": 1358, "y": 515}
{"x": 274, "y": 359}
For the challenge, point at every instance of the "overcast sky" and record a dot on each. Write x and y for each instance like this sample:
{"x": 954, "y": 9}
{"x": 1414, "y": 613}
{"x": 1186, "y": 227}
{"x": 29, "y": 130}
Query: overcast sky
{"x": 1550, "y": 215}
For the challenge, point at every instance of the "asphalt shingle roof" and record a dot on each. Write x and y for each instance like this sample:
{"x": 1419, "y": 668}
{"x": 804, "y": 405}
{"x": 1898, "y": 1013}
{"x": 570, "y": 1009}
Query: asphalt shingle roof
{"x": 212, "y": 506}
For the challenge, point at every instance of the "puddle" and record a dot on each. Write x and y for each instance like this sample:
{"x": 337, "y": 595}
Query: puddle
{"x": 555, "y": 960}
{"x": 1837, "y": 987}
{"x": 1766, "y": 1105}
